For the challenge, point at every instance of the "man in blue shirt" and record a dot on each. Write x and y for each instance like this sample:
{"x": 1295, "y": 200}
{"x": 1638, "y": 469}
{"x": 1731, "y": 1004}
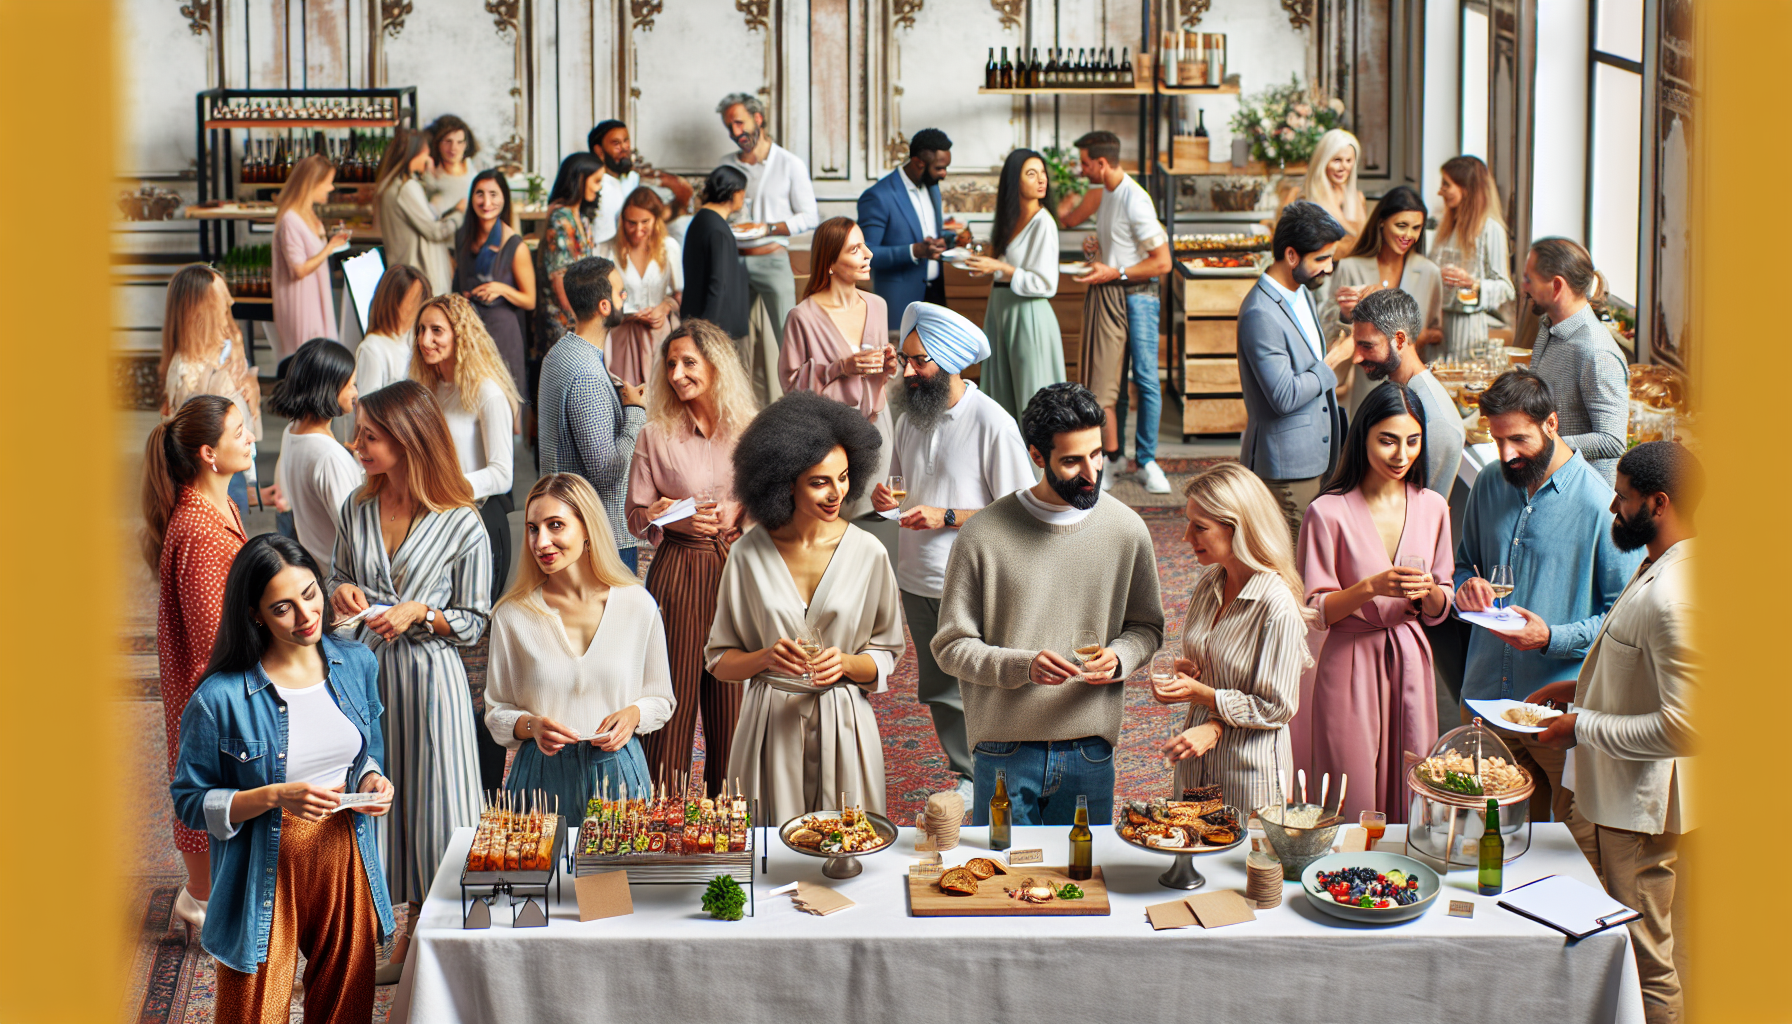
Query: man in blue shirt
{"x": 1544, "y": 514}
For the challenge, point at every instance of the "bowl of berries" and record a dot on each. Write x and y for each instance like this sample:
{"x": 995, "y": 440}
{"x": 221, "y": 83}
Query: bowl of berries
{"x": 1371, "y": 887}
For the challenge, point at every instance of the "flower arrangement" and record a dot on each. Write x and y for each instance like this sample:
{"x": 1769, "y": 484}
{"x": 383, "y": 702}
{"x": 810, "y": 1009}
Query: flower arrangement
{"x": 1061, "y": 169}
{"x": 1284, "y": 122}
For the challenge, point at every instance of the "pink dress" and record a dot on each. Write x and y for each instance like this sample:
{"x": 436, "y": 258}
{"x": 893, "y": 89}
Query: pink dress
{"x": 1374, "y": 697}
{"x": 302, "y": 309}
{"x": 814, "y": 350}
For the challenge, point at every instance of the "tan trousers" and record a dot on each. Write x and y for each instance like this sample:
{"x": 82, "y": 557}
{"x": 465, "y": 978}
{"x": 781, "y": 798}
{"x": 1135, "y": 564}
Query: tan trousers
{"x": 1549, "y": 801}
{"x": 1638, "y": 870}
{"x": 1293, "y": 496}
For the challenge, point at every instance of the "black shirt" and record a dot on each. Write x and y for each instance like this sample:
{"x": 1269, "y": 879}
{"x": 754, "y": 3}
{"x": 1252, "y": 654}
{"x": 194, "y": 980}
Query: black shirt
{"x": 715, "y": 278}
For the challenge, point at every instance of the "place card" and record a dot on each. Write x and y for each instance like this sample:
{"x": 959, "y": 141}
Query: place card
{"x": 1462, "y": 908}
{"x": 604, "y": 894}
{"x": 1219, "y": 909}
{"x": 1174, "y": 914}
{"x": 819, "y": 899}
{"x": 930, "y": 866}
{"x": 1356, "y": 840}
{"x": 895, "y": 513}
{"x": 1025, "y": 857}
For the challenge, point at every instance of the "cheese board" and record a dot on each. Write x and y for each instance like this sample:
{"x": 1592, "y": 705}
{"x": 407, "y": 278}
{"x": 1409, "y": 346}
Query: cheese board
{"x": 927, "y": 899}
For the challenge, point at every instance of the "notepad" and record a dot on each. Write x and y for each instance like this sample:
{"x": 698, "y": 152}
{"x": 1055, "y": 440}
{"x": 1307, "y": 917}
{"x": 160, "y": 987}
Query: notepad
{"x": 683, "y": 508}
{"x": 1573, "y": 908}
{"x": 894, "y": 513}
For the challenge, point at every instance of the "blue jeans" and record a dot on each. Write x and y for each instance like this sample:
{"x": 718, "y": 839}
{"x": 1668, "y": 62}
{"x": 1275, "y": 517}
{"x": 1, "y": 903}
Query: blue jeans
{"x": 1044, "y": 780}
{"x": 1141, "y": 347}
{"x": 631, "y": 557}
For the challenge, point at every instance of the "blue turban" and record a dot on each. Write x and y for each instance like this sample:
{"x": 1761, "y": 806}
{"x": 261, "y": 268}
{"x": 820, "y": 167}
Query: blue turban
{"x": 950, "y": 339}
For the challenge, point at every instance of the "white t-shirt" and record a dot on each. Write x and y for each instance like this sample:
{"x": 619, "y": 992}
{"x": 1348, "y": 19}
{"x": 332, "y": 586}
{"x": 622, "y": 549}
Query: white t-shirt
{"x": 380, "y": 360}
{"x": 971, "y": 457}
{"x": 1303, "y": 313}
{"x": 317, "y": 474}
{"x": 1052, "y": 515}
{"x": 1126, "y": 224}
{"x": 482, "y": 437}
{"x": 650, "y": 289}
{"x": 611, "y": 194}
{"x": 321, "y": 743}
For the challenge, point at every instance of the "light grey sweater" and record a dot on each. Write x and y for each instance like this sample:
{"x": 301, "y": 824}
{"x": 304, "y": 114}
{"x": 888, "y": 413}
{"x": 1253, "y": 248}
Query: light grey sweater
{"x": 1016, "y": 586}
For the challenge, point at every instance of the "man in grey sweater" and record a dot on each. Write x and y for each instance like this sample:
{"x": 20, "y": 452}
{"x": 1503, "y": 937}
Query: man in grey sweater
{"x": 1026, "y": 576}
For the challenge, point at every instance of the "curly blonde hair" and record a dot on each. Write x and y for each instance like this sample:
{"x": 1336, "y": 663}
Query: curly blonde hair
{"x": 476, "y": 358}
{"x": 735, "y": 407}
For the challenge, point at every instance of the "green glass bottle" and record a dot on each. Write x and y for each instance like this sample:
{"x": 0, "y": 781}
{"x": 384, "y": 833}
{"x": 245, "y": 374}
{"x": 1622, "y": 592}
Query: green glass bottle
{"x": 1001, "y": 815}
{"x": 1082, "y": 843}
{"x": 1493, "y": 853}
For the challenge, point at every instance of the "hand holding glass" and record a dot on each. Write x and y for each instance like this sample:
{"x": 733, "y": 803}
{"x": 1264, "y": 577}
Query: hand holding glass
{"x": 1500, "y": 582}
{"x": 1087, "y": 649}
{"x": 1420, "y": 563}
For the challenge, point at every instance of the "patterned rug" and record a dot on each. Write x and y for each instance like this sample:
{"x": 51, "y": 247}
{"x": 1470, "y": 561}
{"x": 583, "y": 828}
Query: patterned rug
{"x": 170, "y": 983}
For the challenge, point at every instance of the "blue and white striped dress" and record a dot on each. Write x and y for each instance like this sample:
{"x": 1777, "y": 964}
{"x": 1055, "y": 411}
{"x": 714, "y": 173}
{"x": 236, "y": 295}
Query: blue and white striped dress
{"x": 446, "y": 564}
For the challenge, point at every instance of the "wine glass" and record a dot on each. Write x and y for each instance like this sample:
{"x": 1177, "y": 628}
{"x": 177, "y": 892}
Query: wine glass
{"x": 1420, "y": 563}
{"x": 811, "y": 650}
{"x": 1500, "y": 580}
{"x": 1163, "y": 669}
{"x": 898, "y": 489}
{"x": 1086, "y": 647}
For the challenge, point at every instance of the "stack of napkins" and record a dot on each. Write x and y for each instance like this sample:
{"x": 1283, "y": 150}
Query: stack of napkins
{"x": 818, "y": 899}
{"x": 945, "y": 815}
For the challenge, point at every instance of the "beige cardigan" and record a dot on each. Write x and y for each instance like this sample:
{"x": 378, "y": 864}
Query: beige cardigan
{"x": 412, "y": 233}
{"x": 1633, "y": 729}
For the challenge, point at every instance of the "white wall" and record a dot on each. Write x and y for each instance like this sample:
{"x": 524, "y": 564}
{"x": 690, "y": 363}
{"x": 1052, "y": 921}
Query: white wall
{"x": 1443, "y": 94}
{"x": 1559, "y": 165}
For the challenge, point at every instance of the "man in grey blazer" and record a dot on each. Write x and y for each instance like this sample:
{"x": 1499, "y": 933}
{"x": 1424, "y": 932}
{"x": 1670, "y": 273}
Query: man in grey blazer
{"x": 1293, "y": 427}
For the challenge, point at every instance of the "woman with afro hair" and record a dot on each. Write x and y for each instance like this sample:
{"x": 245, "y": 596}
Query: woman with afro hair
{"x": 806, "y": 732}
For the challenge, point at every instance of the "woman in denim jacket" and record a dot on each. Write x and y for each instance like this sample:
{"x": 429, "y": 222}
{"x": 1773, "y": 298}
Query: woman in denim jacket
{"x": 286, "y": 721}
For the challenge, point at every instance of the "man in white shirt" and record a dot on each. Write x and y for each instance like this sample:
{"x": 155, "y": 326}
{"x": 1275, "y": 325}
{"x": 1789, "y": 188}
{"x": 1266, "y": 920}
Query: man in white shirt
{"x": 905, "y": 228}
{"x": 1630, "y": 735}
{"x": 957, "y": 451}
{"x": 1129, "y": 250}
{"x": 781, "y": 199}
{"x": 610, "y": 143}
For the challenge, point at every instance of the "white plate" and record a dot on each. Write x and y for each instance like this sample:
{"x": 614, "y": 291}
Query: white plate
{"x": 1493, "y": 712}
{"x": 956, "y": 255}
{"x": 1504, "y": 621}
{"x": 1073, "y": 269}
{"x": 748, "y": 236}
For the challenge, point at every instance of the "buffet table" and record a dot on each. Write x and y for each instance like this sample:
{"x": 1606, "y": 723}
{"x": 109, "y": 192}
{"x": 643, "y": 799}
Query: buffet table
{"x": 670, "y": 961}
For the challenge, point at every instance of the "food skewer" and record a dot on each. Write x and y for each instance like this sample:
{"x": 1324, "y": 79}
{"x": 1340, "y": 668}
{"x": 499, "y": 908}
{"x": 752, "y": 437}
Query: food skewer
{"x": 1301, "y": 774}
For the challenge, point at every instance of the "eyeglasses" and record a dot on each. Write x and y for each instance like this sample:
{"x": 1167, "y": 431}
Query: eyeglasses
{"x": 904, "y": 359}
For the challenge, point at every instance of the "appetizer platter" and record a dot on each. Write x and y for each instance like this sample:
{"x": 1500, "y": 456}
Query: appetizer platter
{"x": 983, "y": 887}
{"x": 1450, "y": 788}
{"x": 1201, "y": 824}
{"x": 516, "y": 850}
{"x": 839, "y": 837}
{"x": 1370, "y": 887}
{"x": 676, "y": 835}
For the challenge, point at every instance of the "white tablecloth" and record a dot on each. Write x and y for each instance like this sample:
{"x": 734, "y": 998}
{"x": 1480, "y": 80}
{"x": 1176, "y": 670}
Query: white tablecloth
{"x": 671, "y": 962}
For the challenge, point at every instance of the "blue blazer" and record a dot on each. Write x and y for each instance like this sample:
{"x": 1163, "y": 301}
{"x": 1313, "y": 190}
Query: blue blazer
{"x": 890, "y": 226}
{"x": 1294, "y": 428}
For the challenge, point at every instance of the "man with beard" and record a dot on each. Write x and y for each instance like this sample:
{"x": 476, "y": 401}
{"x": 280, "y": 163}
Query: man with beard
{"x": 1630, "y": 731}
{"x": 957, "y": 451}
{"x": 588, "y": 418}
{"x": 1544, "y": 515}
{"x": 1574, "y": 352}
{"x": 905, "y": 228}
{"x": 1031, "y": 573}
{"x": 1293, "y": 426}
{"x": 780, "y": 199}
{"x": 1385, "y": 329}
{"x": 610, "y": 143}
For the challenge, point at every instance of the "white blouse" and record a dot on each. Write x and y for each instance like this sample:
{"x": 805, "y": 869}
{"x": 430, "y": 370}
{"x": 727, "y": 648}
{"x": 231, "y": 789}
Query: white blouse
{"x": 381, "y": 360}
{"x": 641, "y": 291}
{"x": 1034, "y": 253}
{"x": 317, "y": 474}
{"x": 535, "y": 671}
{"x": 482, "y": 437}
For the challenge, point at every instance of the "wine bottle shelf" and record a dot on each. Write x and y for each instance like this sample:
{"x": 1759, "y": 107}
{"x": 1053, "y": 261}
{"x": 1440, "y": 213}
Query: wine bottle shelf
{"x": 1094, "y": 91}
{"x": 1212, "y": 90}
{"x": 320, "y": 123}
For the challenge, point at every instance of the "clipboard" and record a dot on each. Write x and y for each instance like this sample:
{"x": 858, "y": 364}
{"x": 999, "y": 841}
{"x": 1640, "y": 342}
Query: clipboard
{"x": 1573, "y": 908}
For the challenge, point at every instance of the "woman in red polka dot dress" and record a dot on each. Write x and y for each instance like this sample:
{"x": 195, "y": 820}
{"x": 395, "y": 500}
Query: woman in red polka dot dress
{"x": 192, "y": 531}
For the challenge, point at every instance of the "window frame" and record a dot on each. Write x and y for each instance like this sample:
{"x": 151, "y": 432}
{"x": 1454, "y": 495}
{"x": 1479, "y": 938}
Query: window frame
{"x": 1595, "y": 58}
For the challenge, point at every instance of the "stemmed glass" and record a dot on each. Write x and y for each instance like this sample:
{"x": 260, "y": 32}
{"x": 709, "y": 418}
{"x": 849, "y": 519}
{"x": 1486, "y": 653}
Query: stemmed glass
{"x": 1500, "y": 580}
{"x": 898, "y": 489}
{"x": 1087, "y": 647}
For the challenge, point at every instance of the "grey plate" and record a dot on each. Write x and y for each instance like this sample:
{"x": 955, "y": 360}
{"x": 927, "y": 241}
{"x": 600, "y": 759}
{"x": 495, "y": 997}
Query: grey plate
{"x": 1429, "y": 886}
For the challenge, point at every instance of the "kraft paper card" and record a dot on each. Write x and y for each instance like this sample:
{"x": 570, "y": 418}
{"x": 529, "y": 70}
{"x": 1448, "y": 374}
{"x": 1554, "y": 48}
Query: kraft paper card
{"x": 1174, "y": 914}
{"x": 1218, "y": 909}
{"x": 603, "y": 895}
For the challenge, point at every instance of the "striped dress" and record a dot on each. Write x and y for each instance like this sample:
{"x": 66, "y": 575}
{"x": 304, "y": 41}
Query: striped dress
{"x": 1253, "y": 655}
{"x": 431, "y": 757}
{"x": 1466, "y": 327}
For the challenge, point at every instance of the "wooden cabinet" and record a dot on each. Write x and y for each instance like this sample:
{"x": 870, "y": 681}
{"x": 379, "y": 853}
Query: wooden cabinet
{"x": 1211, "y": 399}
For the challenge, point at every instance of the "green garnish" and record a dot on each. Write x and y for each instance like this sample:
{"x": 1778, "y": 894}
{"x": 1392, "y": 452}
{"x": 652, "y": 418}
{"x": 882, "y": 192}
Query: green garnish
{"x": 724, "y": 899}
{"x": 1070, "y": 892}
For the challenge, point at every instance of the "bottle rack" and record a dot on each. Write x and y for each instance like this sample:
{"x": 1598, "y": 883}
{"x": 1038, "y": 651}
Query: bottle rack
{"x": 220, "y": 113}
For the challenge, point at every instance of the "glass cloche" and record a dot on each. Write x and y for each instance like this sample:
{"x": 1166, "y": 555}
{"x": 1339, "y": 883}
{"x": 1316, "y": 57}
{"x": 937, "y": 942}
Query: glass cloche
{"x": 1449, "y": 797}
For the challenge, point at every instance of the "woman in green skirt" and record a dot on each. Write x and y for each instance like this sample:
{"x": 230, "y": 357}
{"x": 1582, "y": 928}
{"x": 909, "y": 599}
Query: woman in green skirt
{"x": 1026, "y": 346}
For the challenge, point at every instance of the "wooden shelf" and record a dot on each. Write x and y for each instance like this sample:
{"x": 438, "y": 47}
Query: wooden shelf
{"x": 1107, "y": 90}
{"x": 382, "y": 122}
{"x": 252, "y": 300}
{"x": 355, "y": 186}
{"x": 1196, "y": 90}
{"x": 1196, "y": 168}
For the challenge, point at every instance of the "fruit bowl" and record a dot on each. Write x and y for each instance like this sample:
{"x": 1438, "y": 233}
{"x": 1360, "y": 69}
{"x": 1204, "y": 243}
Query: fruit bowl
{"x": 1429, "y": 886}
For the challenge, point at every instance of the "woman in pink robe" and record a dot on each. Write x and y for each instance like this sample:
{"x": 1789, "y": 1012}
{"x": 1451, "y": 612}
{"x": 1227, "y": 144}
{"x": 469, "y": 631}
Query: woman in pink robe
{"x": 1374, "y": 697}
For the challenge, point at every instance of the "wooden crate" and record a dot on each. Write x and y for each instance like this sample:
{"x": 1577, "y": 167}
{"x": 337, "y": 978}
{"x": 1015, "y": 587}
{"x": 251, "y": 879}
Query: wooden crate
{"x": 1210, "y": 377}
{"x": 1211, "y": 337}
{"x": 1213, "y": 415}
{"x": 1214, "y": 296}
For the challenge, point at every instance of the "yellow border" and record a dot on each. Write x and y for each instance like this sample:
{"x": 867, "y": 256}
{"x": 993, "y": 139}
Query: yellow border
{"x": 64, "y": 932}
{"x": 1739, "y": 903}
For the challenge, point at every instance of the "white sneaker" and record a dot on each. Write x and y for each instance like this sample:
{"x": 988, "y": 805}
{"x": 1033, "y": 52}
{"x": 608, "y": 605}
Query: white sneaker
{"x": 1107, "y": 480}
{"x": 1152, "y": 476}
{"x": 968, "y": 792}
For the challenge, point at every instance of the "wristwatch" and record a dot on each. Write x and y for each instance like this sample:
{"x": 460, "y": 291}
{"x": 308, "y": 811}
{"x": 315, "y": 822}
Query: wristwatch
{"x": 951, "y": 517}
{"x": 429, "y": 617}
{"x": 1123, "y": 278}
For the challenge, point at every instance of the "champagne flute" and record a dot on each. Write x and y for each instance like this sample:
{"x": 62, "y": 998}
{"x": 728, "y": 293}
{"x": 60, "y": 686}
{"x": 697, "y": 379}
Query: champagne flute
{"x": 1499, "y": 580}
{"x": 1086, "y": 647}
{"x": 898, "y": 489}
{"x": 1420, "y": 563}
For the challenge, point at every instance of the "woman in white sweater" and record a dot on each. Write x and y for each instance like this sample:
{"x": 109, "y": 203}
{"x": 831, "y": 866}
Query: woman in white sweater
{"x": 316, "y": 473}
{"x": 384, "y": 354}
{"x": 578, "y": 663}
{"x": 1025, "y": 342}
{"x": 412, "y": 231}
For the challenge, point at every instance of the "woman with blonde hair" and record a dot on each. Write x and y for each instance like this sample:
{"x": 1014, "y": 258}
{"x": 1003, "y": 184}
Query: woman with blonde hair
{"x": 697, "y": 406}
{"x": 202, "y": 354}
{"x": 411, "y": 553}
{"x": 1331, "y": 182}
{"x": 652, "y": 266}
{"x": 1244, "y": 642}
{"x": 302, "y": 308}
{"x": 412, "y": 231}
{"x": 579, "y": 669}
{"x": 1471, "y": 248}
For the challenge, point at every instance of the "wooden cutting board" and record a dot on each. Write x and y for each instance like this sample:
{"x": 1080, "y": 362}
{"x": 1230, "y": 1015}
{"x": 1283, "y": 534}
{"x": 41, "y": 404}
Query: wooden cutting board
{"x": 927, "y": 899}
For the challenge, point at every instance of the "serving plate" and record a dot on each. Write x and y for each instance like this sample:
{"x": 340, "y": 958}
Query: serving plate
{"x": 840, "y": 865}
{"x": 1181, "y": 873}
{"x": 1429, "y": 886}
{"x": 1493, "y": 712}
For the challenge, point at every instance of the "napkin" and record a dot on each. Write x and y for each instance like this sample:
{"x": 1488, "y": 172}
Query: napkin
{"x": 819, "y": 899}
{"x": 360, "y": 800}
{"x": 1218, "y": 909}
{"x": 1174, "y": 914}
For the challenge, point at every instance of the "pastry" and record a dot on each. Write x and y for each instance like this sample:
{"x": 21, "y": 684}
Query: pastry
{"x": 982, "y": 867}
{"x": 959, "y": 882}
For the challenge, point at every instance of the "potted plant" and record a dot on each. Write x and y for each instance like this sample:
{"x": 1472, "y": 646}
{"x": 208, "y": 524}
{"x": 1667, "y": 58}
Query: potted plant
{"x": 1066, "y": 183}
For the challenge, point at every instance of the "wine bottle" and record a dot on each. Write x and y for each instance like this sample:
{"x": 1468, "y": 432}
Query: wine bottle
{"x": 1493, "y": 853}
{"x": 1007, "y": 72}
{"x": 1082, "y": 843}
{"x": 1035, "y": 71}
{"x": 1124, "y": 71}
{"x": 1050, "y": 79}
{"x": 1001, "y": 815}
{"x": 991, "y": 74}
{"x": 1110, "y": 70}
{"x": 1079, "y": 69}
{"x": 1201, "y": 123}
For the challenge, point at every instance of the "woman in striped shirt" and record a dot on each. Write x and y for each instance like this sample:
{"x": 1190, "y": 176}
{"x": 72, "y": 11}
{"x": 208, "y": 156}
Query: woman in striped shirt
{"x": 1244, "y": 642}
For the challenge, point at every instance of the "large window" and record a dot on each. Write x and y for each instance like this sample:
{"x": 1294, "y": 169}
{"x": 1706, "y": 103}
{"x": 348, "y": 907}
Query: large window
{"x": 1615, "y": 144}
{"x": 1474, "y": 79}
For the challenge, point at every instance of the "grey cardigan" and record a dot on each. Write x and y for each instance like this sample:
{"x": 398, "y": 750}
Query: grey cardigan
{"x": 1293, "y": 427}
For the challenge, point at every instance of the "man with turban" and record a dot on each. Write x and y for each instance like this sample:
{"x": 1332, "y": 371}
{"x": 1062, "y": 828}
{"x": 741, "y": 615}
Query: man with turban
{"x": 957, "y": 451}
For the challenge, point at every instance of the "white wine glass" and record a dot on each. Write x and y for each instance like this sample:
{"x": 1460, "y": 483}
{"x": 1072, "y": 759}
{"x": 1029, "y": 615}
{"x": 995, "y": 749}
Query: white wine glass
{"x": 1086, "y": 648}
{"x": 1500, "y": 581}
{"x": 898, "y": 488}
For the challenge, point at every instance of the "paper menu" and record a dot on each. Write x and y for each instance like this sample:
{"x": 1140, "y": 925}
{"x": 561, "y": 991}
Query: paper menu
{"x": 355, "y": 619}
{"x": 1570, "y": 907}
{"x": 359, "y": 800}
{"x": 683, "y": 508}
{"x": 895, "y": 513}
